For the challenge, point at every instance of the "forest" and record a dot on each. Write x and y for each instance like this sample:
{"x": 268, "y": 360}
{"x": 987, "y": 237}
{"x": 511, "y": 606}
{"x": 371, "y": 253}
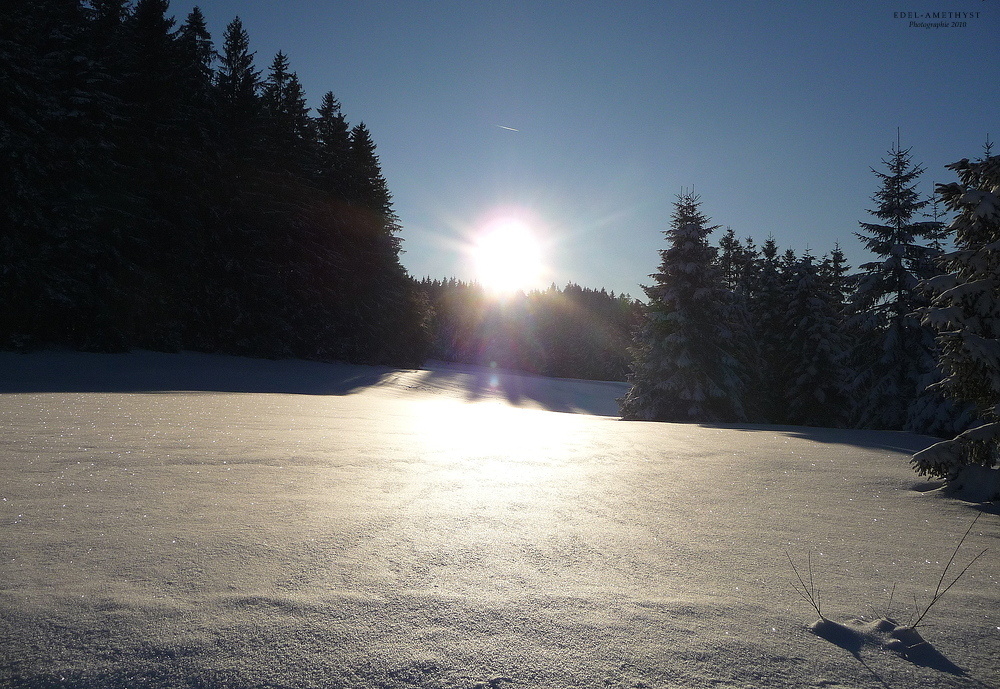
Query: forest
{"x": 162, "y": 193}
{"x": 159, "y": 194}
{"x": 910, "y": 341}
{"x": 167, "y": 196}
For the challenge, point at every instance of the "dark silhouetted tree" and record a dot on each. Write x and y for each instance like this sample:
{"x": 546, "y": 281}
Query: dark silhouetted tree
{"x": 684, "y": 368}
{"x": 814, "y": 374}
{"x": 894, "y": 354}
{"x": 334, "y": 153}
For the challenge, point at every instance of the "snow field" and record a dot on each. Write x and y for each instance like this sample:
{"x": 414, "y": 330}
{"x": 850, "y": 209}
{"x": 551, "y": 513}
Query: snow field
{"x": 396, "y": 534}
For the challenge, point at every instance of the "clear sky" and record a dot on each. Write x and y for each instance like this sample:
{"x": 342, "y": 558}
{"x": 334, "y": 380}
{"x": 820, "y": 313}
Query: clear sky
{"x": 773, "y": 111}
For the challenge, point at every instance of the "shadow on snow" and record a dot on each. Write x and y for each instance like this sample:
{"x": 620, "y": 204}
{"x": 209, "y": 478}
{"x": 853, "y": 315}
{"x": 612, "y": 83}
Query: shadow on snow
{"x": 62, "y": 371}
{"x": 891, "y": 441}
{"x": 141, "y": 371}
{"x": 476, "y": 383}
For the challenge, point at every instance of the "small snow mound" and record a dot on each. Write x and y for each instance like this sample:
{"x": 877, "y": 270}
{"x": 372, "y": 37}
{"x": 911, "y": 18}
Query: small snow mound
{"x": 885, "y": 634}
{"x": 975, "y": 484}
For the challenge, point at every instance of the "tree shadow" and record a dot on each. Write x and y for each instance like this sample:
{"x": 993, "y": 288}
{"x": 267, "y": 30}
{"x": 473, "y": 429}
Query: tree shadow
{"x": 568, "y": 395}
{"x": 143, "y": 371}
{"x": 893, "y": 441}
{"x": 55, "y": 371}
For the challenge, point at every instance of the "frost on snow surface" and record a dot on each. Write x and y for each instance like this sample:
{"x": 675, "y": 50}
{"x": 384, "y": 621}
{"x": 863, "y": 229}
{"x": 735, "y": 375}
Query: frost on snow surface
{"x": 191, "y": 520}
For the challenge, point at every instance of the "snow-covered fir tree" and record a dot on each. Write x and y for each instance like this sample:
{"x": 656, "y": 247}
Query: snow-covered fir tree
{"x": 835, "y": 273}
{"x": 751, "y": 263}
{"x": 965, "y": 313}
{"x": 768, "y": 304}
{"x": 894, "y": 354}
{"x": 814, "y": 374}
{"x": 684, "y": 368}
{"x": 749, "y": 351}
{"x": 731, "y": 259}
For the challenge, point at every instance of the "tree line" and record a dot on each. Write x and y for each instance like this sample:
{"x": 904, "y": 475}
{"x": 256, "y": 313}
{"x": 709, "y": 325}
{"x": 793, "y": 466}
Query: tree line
{"x": 159, "y": 194}
{"x": 573, "y": 332}
{"x": 911, "y": 341}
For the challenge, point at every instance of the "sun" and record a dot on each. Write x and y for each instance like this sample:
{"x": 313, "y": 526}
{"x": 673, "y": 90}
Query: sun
{"x": 507, "y": 256}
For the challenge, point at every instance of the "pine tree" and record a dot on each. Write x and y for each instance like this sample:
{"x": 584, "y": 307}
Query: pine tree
{"x": 835, "y": 273}
{"x": 152, "y": 60}
{"x": 334, "y": 153}
{"x": 55, "y": 260}
{"x": 931, "y": 412}
{"x": 386, "y": 309}
{"x": 814, "y": 371}
{"x": 197, "y": 57}
{"x": 965, "y": 313}
{"x": 155, "y": 153}
{"x": 107, "y": 20}
{"x": 197, "y": 135}
{"x": 238, "y": 83}
{"x": 683, "y": 365}
{"x": 367, "y": 187}
{"x": 751, "y": 263}
{"x": 788, "y": 266}
{"x": 765, "y": 305}
{"x": 143, "y": 202}
{"x": 730, "y": 259}
{"x": 894, "y": 353}
{"x": 290, "y": 128}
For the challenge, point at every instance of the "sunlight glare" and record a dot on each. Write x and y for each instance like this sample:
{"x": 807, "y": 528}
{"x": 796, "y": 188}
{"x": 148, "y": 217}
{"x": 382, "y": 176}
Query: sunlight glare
{"x": 494, "y": 441}
{"x": 508, "y": 257}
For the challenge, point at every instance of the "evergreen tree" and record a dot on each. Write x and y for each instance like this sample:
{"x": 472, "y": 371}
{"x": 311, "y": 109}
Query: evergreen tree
{"x": 743, "y": 268}
{"x": 54, "y": 112}
{"x": 145, "y": 203}
{"x": 574, "y": 332}
{"x": 894, "y": 354}
{"x": 334, "y": 152}
{"x": 290, "y": 128}
{"x": 199, "y": 187}
{"x": 767, "y": 306}
{"x": 834, "y": 271}
{"x": 814, "y": 370}
{"x": 386, "y": 307}
{"x": 739, "y": 267}
{"x": 683, "y": 365}
{"x": 26, "y": 106}
{"x": 153, "y": 153}
{"x": 731, "y": 259}
{"x": 106, "y": 24}
{"x": 197, "y": 57}
{"x": 750, "y": 270}
{"x": 238, "y": 83}
{"x": 367, "y": 187}
{"x": 248, "y": 281}
{"x": 153, "y": 61}
{"x": 788, "y": 266}
{"x": 965, "y": 313}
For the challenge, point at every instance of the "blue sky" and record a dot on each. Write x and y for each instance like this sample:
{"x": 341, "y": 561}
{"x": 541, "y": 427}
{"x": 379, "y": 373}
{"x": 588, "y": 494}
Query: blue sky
{"x": 773, "y": 111}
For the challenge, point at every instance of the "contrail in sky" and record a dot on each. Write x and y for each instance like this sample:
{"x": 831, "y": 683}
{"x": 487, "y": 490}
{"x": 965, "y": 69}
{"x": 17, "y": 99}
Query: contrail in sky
{"x": 509, "y": 129}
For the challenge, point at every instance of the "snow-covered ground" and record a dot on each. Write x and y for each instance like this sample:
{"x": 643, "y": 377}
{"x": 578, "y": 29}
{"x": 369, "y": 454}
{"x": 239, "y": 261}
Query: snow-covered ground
{"x": 193, "y": 520}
